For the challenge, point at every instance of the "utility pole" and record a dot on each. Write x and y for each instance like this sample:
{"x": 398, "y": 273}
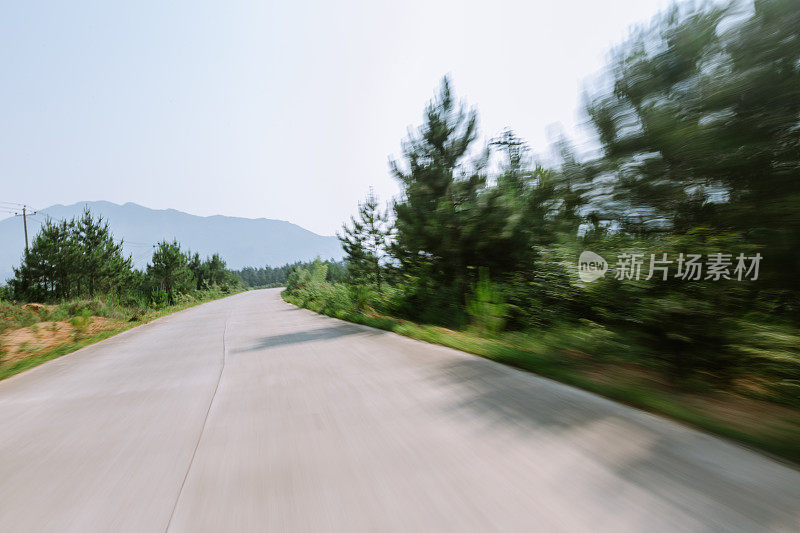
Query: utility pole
{"x": 24, "y": 216}
{"x": 25, "y": 224}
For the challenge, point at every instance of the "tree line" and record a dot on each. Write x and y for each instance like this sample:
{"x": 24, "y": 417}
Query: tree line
{"x": 268, "y": 276}
{"x": 80, "y": 258}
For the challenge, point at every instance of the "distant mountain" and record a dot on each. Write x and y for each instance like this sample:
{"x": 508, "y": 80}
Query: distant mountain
{"x": 240, "y": 241}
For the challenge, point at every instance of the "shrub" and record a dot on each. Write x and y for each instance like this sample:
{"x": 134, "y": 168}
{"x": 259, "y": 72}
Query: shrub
{"x": 486, "y": 306}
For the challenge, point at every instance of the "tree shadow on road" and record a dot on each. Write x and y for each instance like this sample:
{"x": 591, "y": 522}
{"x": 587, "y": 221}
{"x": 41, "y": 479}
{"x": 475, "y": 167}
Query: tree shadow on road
{"x": 514, "y": 399}
{"x": 308, "y": 335}
{"x": 715, "y": 481}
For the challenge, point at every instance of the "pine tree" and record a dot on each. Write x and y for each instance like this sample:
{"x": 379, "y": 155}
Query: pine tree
{"x": 196, "y": 266}
{"x": 437, "y": 217}
{"x": 169, "y": 268}
{"x": 44, "y": 273}
{"x": 102, "y": 263}
{"x": 365, "y": 240}
{"x": 71, "y": 258}
{"x": 215, "y": 271}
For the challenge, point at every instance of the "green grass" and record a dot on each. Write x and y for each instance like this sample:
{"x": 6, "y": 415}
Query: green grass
{"x": 538, "y": 357}
{"x": 8, "y": 370}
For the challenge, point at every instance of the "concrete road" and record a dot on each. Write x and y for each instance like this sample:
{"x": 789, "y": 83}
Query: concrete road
{"x": 247, "y": 414}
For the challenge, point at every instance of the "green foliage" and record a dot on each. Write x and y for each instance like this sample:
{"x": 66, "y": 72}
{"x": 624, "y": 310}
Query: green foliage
{"x": 486, "y": 305}
{"x": 158, "y": 295}
{"x": 6, "y": 292}
{"x": 310, "y": 279}
{"x": 14, "y": 316}
{"x": 267, "y": 276}
{"x": 102, "y": 267}
{"x": 71, "y": 258}
{"x": 701, "y": 131}
{"x": 365, "y": 242}
{"x": 424, "y": 299}
{"x": 211, "y": 272}
{"x": 438, "y": 214}
{"x": 451, "y": 220}
{"x": 170, "y": 269}
{"x": 545, "y": 293}
{"x": 80, "y": 323}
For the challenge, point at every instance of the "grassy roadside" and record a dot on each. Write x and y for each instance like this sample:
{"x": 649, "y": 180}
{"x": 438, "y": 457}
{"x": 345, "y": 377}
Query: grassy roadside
{"x": 76, "y": 342}
{"x": 751, "y": 421}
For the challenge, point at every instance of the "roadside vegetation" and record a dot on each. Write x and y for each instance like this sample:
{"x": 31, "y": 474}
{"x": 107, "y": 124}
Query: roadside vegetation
{"x": 268, "y": 276}
{"x": 693, "y": 201}
{"x": 74, "y": 287}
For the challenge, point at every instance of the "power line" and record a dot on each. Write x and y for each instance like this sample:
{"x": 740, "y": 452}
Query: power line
{"x": 15, "y": 208}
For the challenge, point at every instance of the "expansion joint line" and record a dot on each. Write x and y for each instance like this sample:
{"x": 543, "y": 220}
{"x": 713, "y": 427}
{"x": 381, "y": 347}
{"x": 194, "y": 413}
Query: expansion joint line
{"x": 205, "y": 421}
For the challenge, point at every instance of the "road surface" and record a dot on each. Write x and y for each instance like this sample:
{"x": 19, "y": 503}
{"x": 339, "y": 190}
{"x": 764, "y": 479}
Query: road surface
{"x": 247, "y": 414}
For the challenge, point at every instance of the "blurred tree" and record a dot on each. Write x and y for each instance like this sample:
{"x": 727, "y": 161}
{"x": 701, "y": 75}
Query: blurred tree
{"x": 437, "y": 218}
{"x": 701, "y": 130}
{"x": 269, "y": 276}
{"x": 525, "y": 211}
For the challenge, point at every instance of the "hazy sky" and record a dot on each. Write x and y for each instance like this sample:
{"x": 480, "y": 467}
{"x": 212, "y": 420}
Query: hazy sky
{"x": 284, "y": 110}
